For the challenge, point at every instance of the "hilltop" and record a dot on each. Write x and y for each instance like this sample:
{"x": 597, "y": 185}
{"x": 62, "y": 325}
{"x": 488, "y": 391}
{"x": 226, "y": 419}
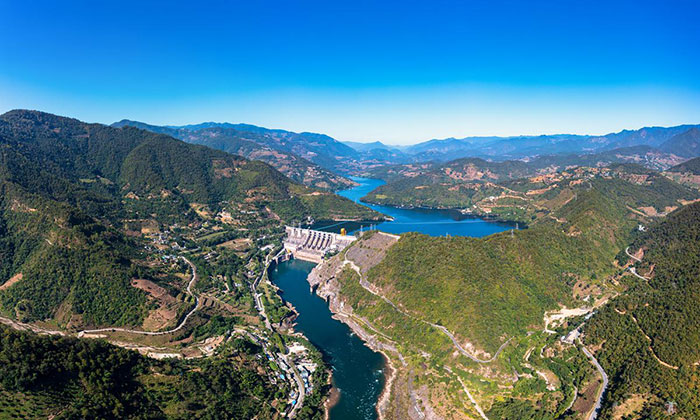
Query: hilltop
{"x": 691, "y": 166}
{"x": 75, "y": 194}
{"x": 258, "y": 144}
{"x": 484, "y": 316}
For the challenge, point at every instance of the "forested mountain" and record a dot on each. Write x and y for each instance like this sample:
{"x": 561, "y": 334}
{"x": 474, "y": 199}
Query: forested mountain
{"x": 648, "y": 337}
{"x": 320, "y": 149}
{"x": 441, "y": 308}
{"x": 315, "y": 159}
{"x": 67, "y": 378}
{"x": 69, "y": 189}
{"x": 464, "y": 169}
{"x": 691, "y": 166}
{"x": 578, "y": 229}
{"x": 687, "y": 173}
{"x": 464, "y": 183}
{"x": 686, "y": 144}
{"x": 253, "y": 143}
{"x": 522, "y": 146}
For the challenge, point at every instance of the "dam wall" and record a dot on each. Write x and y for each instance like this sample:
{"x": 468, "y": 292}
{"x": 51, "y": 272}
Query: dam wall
{"x": 313, "y": 245}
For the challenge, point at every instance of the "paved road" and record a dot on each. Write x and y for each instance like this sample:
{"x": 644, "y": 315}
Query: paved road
{"x": 471, "y": 398}
{"x": 193, "y": 280}
{"x": 599, "y": 400}
{"x": 261, "y": 309}
{"x": 21, "y": 326}
{"x": 634, "y": 271}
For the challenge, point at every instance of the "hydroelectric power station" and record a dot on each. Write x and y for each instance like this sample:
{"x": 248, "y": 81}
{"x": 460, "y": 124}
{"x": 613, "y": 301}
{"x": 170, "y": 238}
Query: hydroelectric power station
{"x": 312, "y": 245}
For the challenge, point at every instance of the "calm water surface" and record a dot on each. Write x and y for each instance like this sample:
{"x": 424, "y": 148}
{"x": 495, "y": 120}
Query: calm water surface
{"x": 430, "y": 222}
{"x": 357, "y": 370}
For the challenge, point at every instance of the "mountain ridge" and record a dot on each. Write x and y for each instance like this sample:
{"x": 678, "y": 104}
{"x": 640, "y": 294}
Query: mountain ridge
{"x": 230, "y": 138}
{"x": 71, "y": 188}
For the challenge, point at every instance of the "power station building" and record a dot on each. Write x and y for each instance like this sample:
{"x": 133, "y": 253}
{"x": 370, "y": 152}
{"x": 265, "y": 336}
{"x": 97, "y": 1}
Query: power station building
{"x": 313, "y": 245}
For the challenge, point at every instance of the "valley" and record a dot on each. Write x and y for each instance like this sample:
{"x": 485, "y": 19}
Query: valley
{"x": 389, "y": 292}
{"x": 474, "y": 289}
{"x": 350, "y": 210}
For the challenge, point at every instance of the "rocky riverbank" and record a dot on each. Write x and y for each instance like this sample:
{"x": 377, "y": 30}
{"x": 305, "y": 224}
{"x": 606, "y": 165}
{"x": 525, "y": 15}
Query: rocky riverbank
{"x": 323, "y": 280}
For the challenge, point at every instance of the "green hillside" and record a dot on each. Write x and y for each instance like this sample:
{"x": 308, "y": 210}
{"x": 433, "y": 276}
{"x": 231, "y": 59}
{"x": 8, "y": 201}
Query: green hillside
{"x": 691, "y": 166}
{"x": 255, "y": 146}
{"x": 69, "y": 188}
{"x": 477, "y": 190}
{"x": 488, "y": 289}
{"x": 664, "y": 309}
{"x": 67, "y": 378}
{"x": 494, "y": 293}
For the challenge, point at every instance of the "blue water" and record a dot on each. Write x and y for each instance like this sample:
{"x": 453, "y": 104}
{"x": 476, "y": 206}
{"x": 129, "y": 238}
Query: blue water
{"x": 430, "y": 222}
{"x": 357, "y": 370}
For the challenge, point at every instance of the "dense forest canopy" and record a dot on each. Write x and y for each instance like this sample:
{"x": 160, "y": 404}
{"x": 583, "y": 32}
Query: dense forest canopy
{"x": 69, "y": 187}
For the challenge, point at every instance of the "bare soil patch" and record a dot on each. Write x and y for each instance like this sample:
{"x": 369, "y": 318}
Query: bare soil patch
{"x": 240, "y": 244}
{"x": 587, "y": 398}
{"x": 159, "y": 318}
{"x": 630, "y": 406}
{"x": 14, "y": 279}
{"x": 155, "y": 291}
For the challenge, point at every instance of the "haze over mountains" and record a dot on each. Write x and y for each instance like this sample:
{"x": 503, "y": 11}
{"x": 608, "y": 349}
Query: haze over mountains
{"x": 503, "y": 148}
{"x": 317, "y": 159}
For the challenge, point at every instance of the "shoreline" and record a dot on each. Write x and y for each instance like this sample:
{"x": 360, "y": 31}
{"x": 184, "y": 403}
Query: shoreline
{"x": 322, "y": 290}
{"x": 485, "y": 216}
{"x": 333, "y": 396}
{"x": 389, "y": 371}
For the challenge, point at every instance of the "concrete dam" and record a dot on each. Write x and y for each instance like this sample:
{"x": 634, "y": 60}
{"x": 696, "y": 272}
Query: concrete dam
{"x": 313, "y": 245}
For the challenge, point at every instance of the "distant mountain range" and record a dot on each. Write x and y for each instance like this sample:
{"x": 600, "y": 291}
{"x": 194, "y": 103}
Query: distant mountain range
{"x": 501, "y": 148}
{"x": 322, "y": 161}
{"x": 682, "y": 141}
{"x": 304, "y": 157}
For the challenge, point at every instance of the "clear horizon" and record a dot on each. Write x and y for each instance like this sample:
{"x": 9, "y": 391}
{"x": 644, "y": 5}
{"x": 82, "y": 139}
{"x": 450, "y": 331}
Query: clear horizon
{"x": 393, "y": 72}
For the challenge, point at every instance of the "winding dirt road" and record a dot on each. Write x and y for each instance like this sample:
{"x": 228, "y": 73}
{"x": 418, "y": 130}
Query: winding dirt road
{"x": 365, "y": 285}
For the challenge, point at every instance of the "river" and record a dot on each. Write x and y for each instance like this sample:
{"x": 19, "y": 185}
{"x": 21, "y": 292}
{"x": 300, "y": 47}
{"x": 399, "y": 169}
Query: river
{"x": 357, "y": 370}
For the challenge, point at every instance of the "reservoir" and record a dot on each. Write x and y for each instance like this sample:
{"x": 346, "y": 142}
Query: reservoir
{"x": 357, "y": 370}
{"x": 429, "y": 221}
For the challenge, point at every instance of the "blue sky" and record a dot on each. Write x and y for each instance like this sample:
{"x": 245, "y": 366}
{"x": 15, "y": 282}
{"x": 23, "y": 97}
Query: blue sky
{"x": 399, "y": 72}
